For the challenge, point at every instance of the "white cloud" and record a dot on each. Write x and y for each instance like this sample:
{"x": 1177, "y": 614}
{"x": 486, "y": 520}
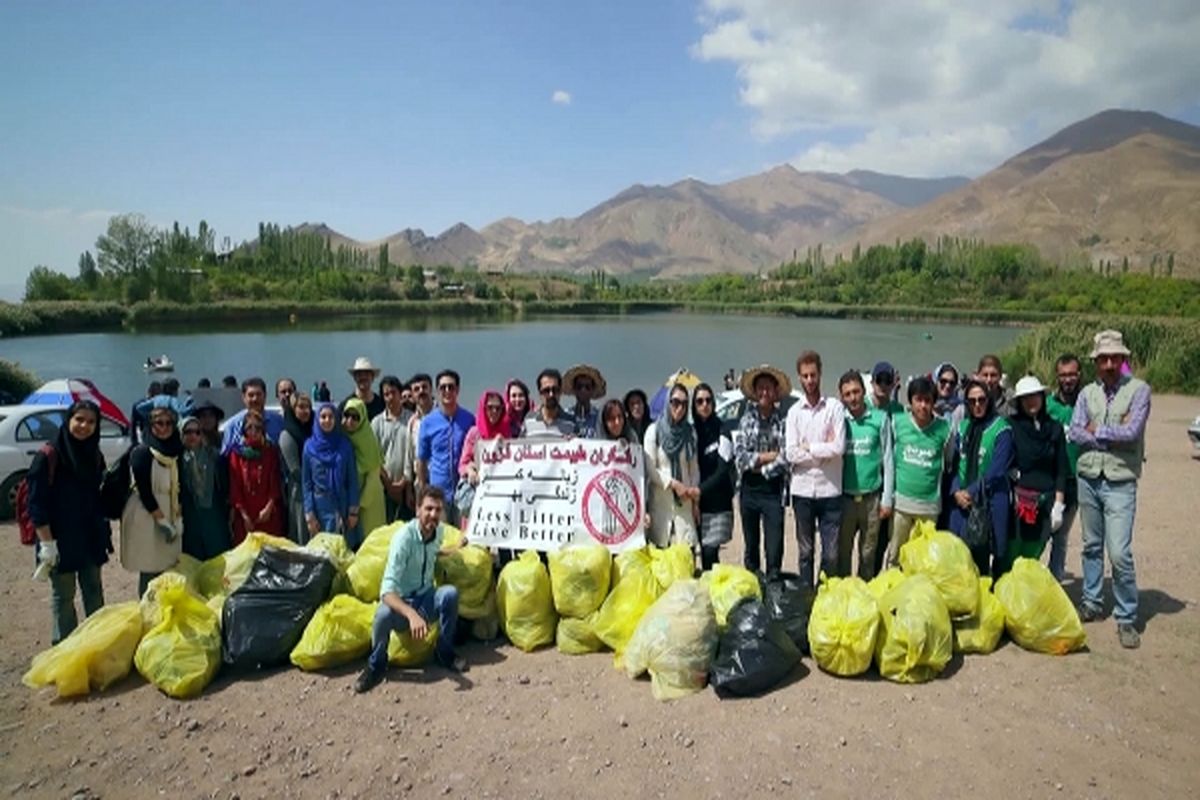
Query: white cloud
{"x": 928, "y": 87}
{"x": 66, "y": 215}
{"x": 561, "y": 97}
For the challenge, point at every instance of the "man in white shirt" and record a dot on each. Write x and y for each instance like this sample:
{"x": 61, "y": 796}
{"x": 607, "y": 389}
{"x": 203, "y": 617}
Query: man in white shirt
{"x": 816, "y": 440}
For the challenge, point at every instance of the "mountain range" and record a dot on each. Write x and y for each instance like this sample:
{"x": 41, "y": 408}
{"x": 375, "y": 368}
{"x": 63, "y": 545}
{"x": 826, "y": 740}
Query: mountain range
{"x": 1117, "y": 185}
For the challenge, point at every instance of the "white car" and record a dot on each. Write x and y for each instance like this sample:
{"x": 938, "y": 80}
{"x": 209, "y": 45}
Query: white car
{"x": 23, "y": 431}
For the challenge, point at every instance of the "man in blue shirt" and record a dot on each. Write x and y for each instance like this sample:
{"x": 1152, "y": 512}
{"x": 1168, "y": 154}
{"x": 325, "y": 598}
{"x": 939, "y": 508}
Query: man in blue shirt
{"x": 254, "y": 396}
{"x": 407, "y": 597}
{"x": 440, "y": 441}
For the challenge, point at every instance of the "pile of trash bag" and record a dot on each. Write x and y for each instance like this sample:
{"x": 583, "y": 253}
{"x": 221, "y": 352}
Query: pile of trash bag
{"x": 885, "y": 581}
{"x": 634, "y": 590}
{"x": 340, "y": 632}
{"x": 405, "y": 651}
{"x": 264, "y": 619}
{"x": 789, "y": 601}
{"x": 1037, "y": 612}
{"x": 365, "y": 572}
{"x": 729, "y": 585}
{"x": 981, "y": 633}
{"x": 96, "y": 655}
{"x": 181, "y": 652}
{"x": 672, "y": 563}
{"x": 525, "y": 603}
{"x": 333, "y": 545}
{"x": 675, "y": 641}
{"x": 468, "y": 569}
{"x": 916, "y": 641}
{"x": 223, "y": 574}
{"x": 843, "y": 626}
{"x": 580, "y": 576}
{"x": 755, "y": 652}
{"x": 946, "y": 560}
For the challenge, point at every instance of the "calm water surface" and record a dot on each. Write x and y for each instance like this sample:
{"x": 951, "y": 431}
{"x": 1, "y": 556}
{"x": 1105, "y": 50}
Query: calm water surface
{"x": 639, "y": 350}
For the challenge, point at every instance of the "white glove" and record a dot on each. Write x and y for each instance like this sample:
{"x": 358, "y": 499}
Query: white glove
{"x": 1056, "y": 515}
{"x": 48, "y": 553}
{"x": 166, "y": 529}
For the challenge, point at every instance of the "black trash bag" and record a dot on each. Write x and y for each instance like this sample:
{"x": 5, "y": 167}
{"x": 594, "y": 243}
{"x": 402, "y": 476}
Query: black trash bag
{"x": 790, "y": 603}
{"x": 264, "y": 619}
{"x": 754, "y": 654}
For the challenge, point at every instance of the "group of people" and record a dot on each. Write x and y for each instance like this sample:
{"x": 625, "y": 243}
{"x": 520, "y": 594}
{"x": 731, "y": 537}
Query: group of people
{"x": 1005, "y": 470}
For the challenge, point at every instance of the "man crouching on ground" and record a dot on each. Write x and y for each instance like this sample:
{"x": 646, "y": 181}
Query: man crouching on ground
{"x": 407, "y": 598}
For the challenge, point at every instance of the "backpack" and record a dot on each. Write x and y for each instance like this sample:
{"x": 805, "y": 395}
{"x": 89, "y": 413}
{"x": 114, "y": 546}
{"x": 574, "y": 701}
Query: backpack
{"x": 25, "y": 524}
{"x": 116, "y": 487}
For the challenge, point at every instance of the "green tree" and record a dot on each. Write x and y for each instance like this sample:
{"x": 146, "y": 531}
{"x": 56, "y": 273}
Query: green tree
{"x": 44, "y": 283}
{"x": 89, "y": 276}
{"x": 126, "y": 246}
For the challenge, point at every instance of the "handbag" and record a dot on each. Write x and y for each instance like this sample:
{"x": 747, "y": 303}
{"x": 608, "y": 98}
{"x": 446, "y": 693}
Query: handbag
{"x": 978, "y": 532}
{"x": 464, "y": 496}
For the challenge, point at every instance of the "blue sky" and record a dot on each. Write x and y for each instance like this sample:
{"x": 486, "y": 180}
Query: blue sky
{"x": 373, "y": 117}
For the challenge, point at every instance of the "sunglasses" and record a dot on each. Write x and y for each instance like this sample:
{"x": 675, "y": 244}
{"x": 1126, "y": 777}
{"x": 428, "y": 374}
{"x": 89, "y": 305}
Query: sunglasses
{"x": 976, "y": 401}
{"x": 704, "y": 401}
{"x": 677, "y": 402}
{"x": 191, "y": 432}
{"x": 351, "y": 416}
{"x": 447, "y": 387}
{"x": 945, "y": 382}
{"x": 548, "y": 390}
{"x": 584, "y": 385}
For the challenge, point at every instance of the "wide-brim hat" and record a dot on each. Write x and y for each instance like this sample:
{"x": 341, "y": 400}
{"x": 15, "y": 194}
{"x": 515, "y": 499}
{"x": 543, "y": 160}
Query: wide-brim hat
{"x": 751, "y": 375}
{"x": 208, "y": 405}
{"x": 1027, "y": 386}
{"x": 1109, "y": 343}
{"x": 363, "y": 364}
{"x": 585, "y": 371}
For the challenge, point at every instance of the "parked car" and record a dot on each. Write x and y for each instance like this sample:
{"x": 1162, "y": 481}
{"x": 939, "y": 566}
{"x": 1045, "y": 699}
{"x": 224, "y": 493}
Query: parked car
{"x": 23, "y": 431}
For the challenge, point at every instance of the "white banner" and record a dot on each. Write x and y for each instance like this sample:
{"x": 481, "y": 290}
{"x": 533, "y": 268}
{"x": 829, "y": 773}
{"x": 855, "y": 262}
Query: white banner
{"x": 543, "y": 494}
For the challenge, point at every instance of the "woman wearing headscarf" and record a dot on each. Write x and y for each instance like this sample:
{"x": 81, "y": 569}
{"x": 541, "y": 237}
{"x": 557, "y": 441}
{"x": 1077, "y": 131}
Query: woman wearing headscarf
{"x": 490, "y": 423}
{"x": 297, "y": 427}
{"x": 368, "y": 461}
{"x": 152, "y": 522}
{"x": 516, "y": 407}
{"x": 945, "y": 376}
{"x": 984, "y": 455}
{"x": 1042, "y": 470}
{"x": 637, "y": 412}
{"x": 674, "y": 474}
{"x": 715, "y": 455}
{"x": 330, "y": 479}
{"x": 74, "y": 538}
{"x": 203, "y": 491}
{"x": 256, "y": 482}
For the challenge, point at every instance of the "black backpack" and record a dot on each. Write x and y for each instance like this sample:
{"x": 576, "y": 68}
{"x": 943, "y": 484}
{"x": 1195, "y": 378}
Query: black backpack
{"x": 116, "y": 486}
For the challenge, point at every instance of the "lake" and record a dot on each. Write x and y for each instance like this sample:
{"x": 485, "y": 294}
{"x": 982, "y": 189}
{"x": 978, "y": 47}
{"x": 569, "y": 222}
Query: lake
{"x": 634, "y": 350}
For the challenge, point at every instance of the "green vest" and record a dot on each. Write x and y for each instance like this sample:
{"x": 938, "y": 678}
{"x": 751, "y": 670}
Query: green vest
{"x": 919, "y": 457}
{"x": 862, "y": 465}
{"x": 1061, "y": 413}
{"x": 1122, "y": 461}
{"x": 987, "y": 447}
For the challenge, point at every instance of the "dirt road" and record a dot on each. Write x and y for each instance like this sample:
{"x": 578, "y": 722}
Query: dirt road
{"x": 1105, "y": 723}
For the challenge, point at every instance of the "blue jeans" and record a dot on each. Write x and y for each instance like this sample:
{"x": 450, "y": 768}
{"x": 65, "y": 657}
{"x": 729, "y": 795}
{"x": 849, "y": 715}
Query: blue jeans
{"x": 1106, "y": 509}
{"x": 62, "y": 599}
{"x": 1060, "y": 537}
{"x": 815, "y": 514}
{"x": 442, "y": 601}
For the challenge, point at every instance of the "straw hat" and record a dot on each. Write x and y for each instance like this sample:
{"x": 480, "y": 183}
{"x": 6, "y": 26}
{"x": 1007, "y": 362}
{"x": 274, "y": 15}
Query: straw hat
{"x": 751, "y": 375}
{"x": 1027, "y": 386}
{"x": 1109, "y": 343}
{"x": 585, "y": 371}
{"x": 363, "y": 364}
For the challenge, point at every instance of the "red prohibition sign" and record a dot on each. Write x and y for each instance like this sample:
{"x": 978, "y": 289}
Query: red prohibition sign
{"x": 618, "y": 499}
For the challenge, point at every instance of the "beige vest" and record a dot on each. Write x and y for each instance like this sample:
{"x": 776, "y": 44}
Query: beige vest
{"x": 1122, "y": 461}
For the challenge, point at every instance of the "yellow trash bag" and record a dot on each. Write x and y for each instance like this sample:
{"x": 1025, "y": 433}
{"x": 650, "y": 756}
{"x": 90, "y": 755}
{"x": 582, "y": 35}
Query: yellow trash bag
{"x": 981, "y": 633}
{"x": 729, "y": 585}
{"x": 885, "y": 581}
{"x": 673, "y": 563}
{"x": 404, "y": 651}
{"x": 526, "y": 607}
{"x": 916, "y": 641}
{"x": 1037, "y": 612}
{"x": 366, "y": 570}
{"x": 96, "y": 655}
{"x": 577, "y": 636}
{"x": 634, "y": 590}
{"x": 947, "y": 561}
{"x": 182, "y": 653}
{"x": 334, "y": 546}
{"x": 843, "y": 626}
{"x": 580, "y": 576}
{"x": 224, "y": 573}
{"x": 151, "y": 602}
{"x": 469, "y": 570}
{"x": 338, "y": 633}
{"x": 675, "y": 641}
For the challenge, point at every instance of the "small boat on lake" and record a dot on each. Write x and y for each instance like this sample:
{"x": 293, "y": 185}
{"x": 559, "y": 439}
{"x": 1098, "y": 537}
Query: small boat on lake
{"x": 159, "y": 364}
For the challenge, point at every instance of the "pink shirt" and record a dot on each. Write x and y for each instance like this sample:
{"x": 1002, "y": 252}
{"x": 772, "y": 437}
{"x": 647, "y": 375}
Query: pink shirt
{"x": 816, "y": 439}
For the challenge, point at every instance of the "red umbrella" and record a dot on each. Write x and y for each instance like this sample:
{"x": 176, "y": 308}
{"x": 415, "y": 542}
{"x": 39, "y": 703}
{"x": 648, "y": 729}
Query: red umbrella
{"x": 65, "y": 391}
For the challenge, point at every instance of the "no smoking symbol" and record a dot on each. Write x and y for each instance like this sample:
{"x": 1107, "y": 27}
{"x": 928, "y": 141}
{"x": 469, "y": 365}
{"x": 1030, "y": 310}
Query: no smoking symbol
{"x": 611, "y": 502}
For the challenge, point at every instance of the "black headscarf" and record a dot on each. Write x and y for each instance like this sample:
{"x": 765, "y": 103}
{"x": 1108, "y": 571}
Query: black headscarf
{"x": 975, "y": 428}
{"x": 300, "y": 431}
{"x": 638, "y": 426}
{"x": 172, "y": 445}
{"x": 80, "y": 457}
{"x": 707, "y": 430}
